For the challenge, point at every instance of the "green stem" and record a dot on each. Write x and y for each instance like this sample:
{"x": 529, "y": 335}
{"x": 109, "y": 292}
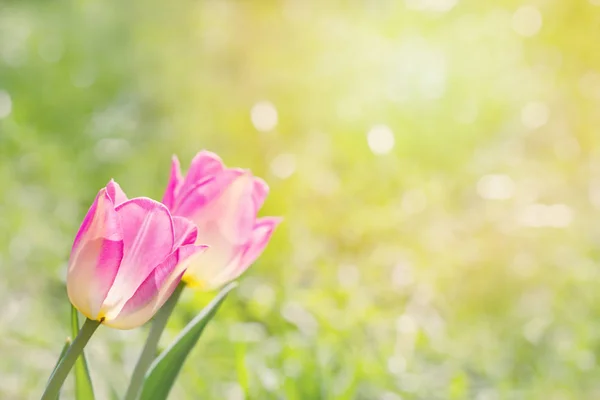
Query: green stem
{"x": 66, "y": 364}
{"x": 61, "y": 356}
{"x": 149, "y": 352}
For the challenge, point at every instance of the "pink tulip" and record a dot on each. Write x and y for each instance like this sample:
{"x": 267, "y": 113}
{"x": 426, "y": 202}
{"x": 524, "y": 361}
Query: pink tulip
{"x": 223, "y": 203}
{"x": 127, "y": 258}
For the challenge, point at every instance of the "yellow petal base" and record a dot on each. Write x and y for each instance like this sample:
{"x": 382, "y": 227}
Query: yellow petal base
{"x": 192, "y": 282}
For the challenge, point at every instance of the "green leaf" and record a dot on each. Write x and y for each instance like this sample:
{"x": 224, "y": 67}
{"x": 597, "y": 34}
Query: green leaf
{"x": 83, "y": 382}
{"x": 164, "y": 370}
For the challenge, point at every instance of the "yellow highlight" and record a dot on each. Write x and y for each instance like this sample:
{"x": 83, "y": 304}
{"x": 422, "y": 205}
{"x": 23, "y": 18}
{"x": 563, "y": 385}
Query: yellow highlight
{"x": 194, "y": 283}
{"x": 101, "y": 317}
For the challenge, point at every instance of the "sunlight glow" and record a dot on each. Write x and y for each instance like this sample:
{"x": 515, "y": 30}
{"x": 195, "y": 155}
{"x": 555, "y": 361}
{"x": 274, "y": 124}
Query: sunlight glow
{"x": 527, "y": 21}
{"x": 535, "y": 115}
{"x": 380, "y": 139}
{"x": 496, "y": 187}
{"x": 284, "y": 165}
{"x": 264, "y": 116}
{"x": 542, "y": 215}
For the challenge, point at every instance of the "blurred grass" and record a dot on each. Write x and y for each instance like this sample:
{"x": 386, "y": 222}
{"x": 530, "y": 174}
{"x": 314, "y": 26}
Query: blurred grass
{"x": 461, "y": 264}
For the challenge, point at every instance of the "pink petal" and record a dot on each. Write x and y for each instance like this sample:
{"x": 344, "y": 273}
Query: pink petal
{"x": 175, "y": 181}
{"x": 220, "y": 264}
{"x": 196, "y": 198}
{"x": 205, "y": 164}
{"x": 261, "y": 190}
{"x": 263, "y": 230}
{"x": 148, "y": 237}
{"x": 185, "y": 232}
{"x": 235, "y": 210}
{"x": 116, "y": 193}
{"x": 155, "y": 290}
{"x": 220, "y": 254}
{"x": 95, "y": 257}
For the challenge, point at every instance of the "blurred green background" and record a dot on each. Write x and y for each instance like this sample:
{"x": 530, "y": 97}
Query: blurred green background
{"x": 437, "y": 163}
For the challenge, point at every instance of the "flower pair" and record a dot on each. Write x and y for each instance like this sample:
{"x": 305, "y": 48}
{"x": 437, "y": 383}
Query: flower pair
{"x": 130, "y": 254}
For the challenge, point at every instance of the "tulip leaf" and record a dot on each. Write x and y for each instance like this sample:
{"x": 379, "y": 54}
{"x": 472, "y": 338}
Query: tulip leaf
{"x": 165, "y": 368}
{"x": 83, "y": 382}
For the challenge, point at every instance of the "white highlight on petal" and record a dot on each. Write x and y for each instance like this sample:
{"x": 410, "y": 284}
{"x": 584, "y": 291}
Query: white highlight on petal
{"x": 496, "y": 187}
{"x": 380, "y": 139}
{"x": 5, "y": 104}
{"x": 264, "y": 116}
{"x": 527, "y": 21}
{"x": 284, "y": 165}
{"x": 535, "y": 114}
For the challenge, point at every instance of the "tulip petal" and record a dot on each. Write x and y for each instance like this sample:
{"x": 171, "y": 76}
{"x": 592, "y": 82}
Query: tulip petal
{"x": 257, "y": 243}
{"x": 263, "y": 230}
{"x": 195, "y": 201}
{"x": 175, "y": 181}
{"x": 116, "y": 193}
{"x": 148, "y": 238}
{"x": 95, "y": 257}
{"x": 202, "y": 271}
{"x": 236, "y": 211}
{"x": 185, "y": 232}
{"x": 155, "y": 290}
{"x": 204, "y": 165}
{"x": 260, "y": 192}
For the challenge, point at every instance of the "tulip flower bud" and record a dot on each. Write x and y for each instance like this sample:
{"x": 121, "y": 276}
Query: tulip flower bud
{"x": 127, "y": 258}
{"x": 223, "y": 203}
